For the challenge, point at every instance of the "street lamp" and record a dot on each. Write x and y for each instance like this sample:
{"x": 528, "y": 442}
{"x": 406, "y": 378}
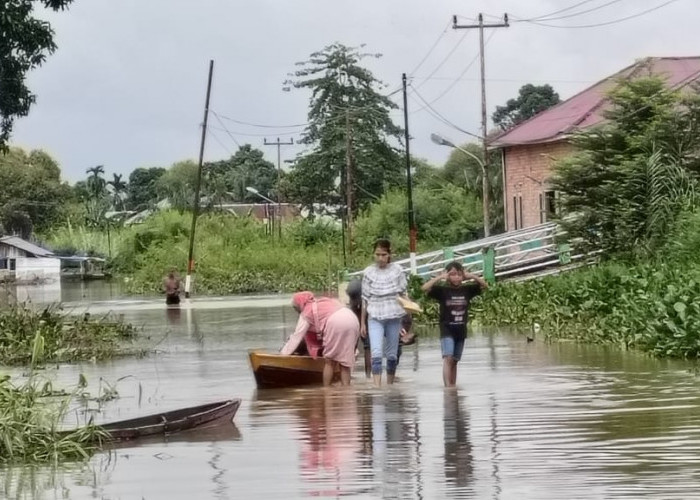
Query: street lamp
{"x": 260, "y": 195}
{"x": 441, "y": 141}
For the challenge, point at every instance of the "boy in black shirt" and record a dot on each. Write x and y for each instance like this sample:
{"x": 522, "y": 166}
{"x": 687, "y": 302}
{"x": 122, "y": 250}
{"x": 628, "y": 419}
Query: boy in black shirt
{"x": 454, "y": 297}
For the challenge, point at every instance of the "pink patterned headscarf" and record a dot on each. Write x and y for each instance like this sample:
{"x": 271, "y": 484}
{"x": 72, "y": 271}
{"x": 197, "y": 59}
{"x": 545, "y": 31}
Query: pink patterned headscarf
{"x": 316, "y": 310}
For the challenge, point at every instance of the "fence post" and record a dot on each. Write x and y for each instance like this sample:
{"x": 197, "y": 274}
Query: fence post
{"x": 448, "y": 253}
{"x": 489, "y": 265}
{"x": 564, "y": 250}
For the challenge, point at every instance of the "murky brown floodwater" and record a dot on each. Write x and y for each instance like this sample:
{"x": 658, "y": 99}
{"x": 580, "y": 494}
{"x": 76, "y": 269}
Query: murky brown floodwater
{"x": 527, "y": 421}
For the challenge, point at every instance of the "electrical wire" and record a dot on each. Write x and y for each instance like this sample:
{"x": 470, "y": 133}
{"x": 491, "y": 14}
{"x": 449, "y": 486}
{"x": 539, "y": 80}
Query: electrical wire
{"x": 210, "y": 130}
{"x": 456, "y": 81}
{"x": 432, "y": 48}
{"x": 607, "y": 23}
{"x": 555, "y": 12}
{"x": 225, "y": 128}
{"x": 580, "y": 13}
{"x": 436, "y": 114}
{"x": 447, "y": 57}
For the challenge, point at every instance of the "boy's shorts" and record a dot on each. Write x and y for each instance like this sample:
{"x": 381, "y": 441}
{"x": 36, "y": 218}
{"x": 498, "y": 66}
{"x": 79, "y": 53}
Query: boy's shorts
{"x": 451, "y": 347}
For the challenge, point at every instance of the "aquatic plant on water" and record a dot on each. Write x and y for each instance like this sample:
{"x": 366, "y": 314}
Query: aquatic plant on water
{"x": 29, "y": 336}
{"x": 31, "y": 419}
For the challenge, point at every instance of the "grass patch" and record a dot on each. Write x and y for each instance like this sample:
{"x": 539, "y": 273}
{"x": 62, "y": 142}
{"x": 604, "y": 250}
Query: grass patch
{"x": 28, "y": 336}
{"x": 30, "y": 426}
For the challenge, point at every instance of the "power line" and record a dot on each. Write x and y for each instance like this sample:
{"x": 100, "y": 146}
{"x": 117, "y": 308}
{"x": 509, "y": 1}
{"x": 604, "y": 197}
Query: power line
{"x": 225, "y": 128}
{"x": 244, "y": 134}
{"x": 432, "y": 48}
{"x": 557, "y": 11}
{"x": 440, "y": 117}
{"x": 456, "y": 81}
{"x": 608, "y": 23}
{"x": 216, "y": 138}
{"x": 575, "y": 14}
{"x": 260, "y": 125}
{"x": 447, "y": 57}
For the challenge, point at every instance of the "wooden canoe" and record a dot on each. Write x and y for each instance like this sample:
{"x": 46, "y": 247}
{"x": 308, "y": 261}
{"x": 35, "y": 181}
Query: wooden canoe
{"x": 195, "y": 417}
{"x": 278, "y": 370}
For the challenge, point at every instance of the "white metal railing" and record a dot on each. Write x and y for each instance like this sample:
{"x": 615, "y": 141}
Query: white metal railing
{"x": 527, "y": 250}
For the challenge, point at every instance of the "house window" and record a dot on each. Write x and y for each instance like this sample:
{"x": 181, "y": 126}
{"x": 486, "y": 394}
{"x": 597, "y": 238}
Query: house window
{"x": 518, "y": 211}
{"x": 549, "y": 205}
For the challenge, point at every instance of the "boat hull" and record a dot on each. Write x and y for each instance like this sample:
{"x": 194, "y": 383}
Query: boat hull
{"x": 277, "y": 370}
{"x": 166, "y": 423}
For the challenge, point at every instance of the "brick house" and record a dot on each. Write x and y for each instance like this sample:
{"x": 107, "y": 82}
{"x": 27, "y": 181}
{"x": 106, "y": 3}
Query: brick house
{"x": 529, "y": 149}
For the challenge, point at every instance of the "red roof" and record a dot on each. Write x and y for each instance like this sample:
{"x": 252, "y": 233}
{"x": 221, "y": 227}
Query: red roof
{"x": 586, "y": 108}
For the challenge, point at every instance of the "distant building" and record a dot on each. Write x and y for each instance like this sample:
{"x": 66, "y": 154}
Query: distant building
{"x": 25, "y": 262}
{"x": 529, "y": 149}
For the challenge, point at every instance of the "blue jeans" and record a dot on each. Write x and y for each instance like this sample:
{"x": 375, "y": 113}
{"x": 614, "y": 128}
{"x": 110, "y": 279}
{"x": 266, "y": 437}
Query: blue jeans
{"x": 452, "y": 348}
{"x": 384, "y": 342}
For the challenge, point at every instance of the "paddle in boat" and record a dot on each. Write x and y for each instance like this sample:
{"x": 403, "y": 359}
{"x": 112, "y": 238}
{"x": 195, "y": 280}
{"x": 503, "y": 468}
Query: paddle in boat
{"x": 195, "y": 417}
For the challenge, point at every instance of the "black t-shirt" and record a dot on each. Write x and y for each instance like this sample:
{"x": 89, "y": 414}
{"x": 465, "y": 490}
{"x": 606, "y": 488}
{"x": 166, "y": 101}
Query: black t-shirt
{"x": 454, "y": 307}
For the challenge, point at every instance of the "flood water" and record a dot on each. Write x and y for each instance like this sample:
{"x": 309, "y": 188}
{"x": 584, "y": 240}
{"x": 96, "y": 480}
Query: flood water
{"x": 528, "y": 420}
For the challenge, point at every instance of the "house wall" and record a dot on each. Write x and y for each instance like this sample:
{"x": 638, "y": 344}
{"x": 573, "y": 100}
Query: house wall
{"x": 37, "y": 269}
{"x": 526, "y": 171}
{"x": 10, "y": 252}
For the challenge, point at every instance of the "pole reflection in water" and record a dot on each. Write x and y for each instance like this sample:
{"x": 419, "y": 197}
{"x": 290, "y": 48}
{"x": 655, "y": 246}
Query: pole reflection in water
{"x": 458, "y": 448}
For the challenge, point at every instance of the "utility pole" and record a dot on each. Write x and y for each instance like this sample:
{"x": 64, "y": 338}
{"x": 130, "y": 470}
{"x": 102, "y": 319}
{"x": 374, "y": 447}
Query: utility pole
{"x": 484, "y": 124}
{"x": 348, "y": 179}
{"x": 279, "y": 145}
{"x": 412, "y": 231}
{"x": 195, "y": 208}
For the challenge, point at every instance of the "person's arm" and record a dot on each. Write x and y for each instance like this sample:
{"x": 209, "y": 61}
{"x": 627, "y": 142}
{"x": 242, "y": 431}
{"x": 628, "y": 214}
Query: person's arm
{"x": 479, "y": 280}
{"x": 402, "y": 283}
{"x": 363, "y": 320}
{"x": 428, "y": 285}
{"x": 296, "y": 337}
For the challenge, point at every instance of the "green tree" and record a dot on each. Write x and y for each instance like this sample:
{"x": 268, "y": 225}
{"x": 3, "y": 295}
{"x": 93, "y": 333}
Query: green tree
{"x": 119, "y": 189}
{"x": 464, "y": 171}
{"x": 348, "y": 118}
{"x": 445, "y": 215}
{"x": 633, "y": 175}
{"x": 246, "y": 168}
{"x": 24, "y": 44}
{"x": 32, "y": 187}
{"x": 141, "y": 190}
{"x": 532, "y": 99}
{"x": 178, "y": 184}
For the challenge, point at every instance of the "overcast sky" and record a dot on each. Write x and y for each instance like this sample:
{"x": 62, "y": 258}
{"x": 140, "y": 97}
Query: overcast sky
{"x": 126, "y": 87}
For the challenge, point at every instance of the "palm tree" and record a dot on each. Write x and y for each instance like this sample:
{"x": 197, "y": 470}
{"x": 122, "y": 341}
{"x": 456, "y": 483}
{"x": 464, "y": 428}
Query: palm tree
{"x": 118, "y": 191}
{"x": 95, "y": 181}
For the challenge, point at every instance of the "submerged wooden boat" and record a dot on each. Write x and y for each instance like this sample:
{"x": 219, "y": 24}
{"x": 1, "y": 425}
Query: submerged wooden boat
{"x": 278, "y": 370}
{"x": 195, "y": 417}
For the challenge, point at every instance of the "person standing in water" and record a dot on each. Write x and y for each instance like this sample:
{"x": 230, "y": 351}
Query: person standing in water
{"x": 171, "y": 287}
{"x": 382, "y": 283}
{"x": 453, "y": 297}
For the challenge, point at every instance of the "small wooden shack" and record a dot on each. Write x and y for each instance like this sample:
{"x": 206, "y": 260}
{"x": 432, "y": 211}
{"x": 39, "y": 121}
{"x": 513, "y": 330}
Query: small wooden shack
{"x": 25, "y": 262}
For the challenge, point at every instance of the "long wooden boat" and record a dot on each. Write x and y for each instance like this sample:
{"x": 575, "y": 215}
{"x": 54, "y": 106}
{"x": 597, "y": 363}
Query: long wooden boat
{"x": 278, "y": 370}
{"x": 195, "y": 417}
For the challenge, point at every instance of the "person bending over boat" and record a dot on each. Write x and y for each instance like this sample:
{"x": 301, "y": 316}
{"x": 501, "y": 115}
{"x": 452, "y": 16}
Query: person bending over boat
{"x": 171, "y": 287}
{"x": 339, "y": 331}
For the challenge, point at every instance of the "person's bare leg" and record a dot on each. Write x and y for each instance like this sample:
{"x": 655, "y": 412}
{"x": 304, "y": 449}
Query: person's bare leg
{"x": 447, "y": 371}
{"x": 390, "y": 378}
{"x": 344, "y": 375}
{"x": 328, "y": 370}
{"x": 377, "y": 378}
{"x": 454, "y": 372}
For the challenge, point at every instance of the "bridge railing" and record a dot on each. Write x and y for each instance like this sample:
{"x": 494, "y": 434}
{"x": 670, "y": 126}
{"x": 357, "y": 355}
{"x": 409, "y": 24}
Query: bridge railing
{"x": 504, "y": 256}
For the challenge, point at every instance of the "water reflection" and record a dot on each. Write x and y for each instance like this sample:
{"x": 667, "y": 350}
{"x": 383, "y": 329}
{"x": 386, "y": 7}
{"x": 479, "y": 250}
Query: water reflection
{"x": 458, "y": 447}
